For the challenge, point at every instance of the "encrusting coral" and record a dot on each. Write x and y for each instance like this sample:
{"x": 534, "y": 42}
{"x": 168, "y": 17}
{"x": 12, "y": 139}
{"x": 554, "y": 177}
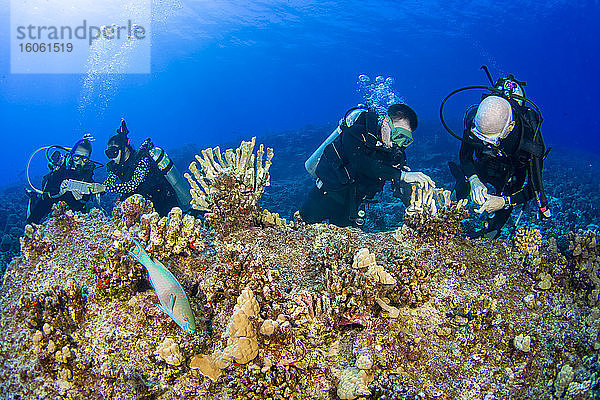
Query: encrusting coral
{"x": 242, "y": 343}
{"x": 169, "y": 352}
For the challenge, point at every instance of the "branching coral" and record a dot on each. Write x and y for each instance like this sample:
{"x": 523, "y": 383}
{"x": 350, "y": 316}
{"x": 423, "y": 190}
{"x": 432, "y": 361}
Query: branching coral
{"x": 229, "y": 185}
{"x": 173, "y": 234}
{"x": 432, "y": 216}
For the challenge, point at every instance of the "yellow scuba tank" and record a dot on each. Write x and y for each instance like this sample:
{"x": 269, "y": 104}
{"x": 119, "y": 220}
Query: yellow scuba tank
{"x": 175, "y": 179}
{"x": 350, "y": 117}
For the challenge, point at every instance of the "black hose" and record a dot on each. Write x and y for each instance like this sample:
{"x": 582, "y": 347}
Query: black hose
{"x": 446, "y": 99}
{"x": 494, "y": 91}
{"x": 487, "y": 72}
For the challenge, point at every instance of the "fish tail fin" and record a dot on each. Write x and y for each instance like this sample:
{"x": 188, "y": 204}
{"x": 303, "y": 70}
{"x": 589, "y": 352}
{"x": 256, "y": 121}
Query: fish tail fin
{"x": 140, "y": 254}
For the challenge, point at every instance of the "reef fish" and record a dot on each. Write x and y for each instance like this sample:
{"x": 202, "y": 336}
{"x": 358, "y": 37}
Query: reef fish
{"x": 172, "y": 298}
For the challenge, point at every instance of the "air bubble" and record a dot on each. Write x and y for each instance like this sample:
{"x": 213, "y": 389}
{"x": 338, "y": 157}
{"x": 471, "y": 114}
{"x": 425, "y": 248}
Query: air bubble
{"x": 379, "y": 95}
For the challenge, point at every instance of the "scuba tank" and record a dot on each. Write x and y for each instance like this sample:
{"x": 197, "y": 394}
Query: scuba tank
{"x": 348, "y": 120}
{"x": 172, "y": 175}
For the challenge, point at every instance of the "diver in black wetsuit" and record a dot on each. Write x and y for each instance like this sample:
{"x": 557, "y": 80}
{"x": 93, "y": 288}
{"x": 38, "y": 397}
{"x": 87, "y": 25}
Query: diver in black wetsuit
{"x": 508, "y": 148}
{"x": 135, "y": 172}
{"x": 77, "y": 166}
{"x": 356, "y": 165}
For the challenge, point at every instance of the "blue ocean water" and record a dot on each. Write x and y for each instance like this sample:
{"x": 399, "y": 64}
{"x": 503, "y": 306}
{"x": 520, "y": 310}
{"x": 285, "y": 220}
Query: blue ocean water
{"x": 222, "y": 71}
{"x": 227, "y": 69}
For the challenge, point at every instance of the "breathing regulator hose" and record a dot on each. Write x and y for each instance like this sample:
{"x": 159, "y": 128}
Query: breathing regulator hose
{"x": 38, "y": 191}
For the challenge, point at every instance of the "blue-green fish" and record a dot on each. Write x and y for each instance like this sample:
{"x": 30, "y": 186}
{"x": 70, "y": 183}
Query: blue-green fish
{"x": 172, "y": 298}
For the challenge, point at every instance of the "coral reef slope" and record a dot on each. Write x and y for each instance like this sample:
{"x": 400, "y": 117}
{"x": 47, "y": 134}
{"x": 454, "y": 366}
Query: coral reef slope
{"x": 315, "y": 312}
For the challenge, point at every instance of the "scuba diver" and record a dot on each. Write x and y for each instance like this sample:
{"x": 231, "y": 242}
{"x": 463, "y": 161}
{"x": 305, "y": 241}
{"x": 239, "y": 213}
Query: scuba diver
{"x": 502, "y": 147}
{"x": 147, "y": 171}
{"x": 354, "y": 163}
{"x": 66, "y": 180}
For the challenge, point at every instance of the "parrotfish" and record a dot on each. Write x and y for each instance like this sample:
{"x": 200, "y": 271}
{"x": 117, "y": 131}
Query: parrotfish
{"x": 172, "y": 298}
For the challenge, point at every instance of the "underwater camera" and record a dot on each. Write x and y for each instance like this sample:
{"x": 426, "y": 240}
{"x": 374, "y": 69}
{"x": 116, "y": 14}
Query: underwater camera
{"x": 507, "y": 87}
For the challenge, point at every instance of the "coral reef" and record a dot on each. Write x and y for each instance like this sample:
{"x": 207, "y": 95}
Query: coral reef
{"x": 314, "y": 312}
{"x": 53, "y": 317}
{"x": 174, "y": 234}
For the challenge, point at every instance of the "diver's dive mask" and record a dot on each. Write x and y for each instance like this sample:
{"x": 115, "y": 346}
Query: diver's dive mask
{"x": 112, "y": 152}
{"x": 400, "y": 136}
{"x": 80, "y": 159}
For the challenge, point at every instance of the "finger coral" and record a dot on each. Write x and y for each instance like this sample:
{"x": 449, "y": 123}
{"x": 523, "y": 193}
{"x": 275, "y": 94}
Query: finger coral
{"x": 228, "y": 185}
{"x": 432, "y": 216}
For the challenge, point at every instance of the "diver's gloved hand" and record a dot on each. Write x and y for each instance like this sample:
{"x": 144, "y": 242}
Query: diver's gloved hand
{"x": 478, "y": 190}
{"x": 544, "y": 214}
{"x": 419, "y": 178}
{"x": 122, "y": 130}
{"x": 492, "y": 204}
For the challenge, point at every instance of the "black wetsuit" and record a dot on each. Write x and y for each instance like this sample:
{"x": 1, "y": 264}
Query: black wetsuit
{"x": 40, "y": 205}
{"x": 140, "y": 175}
{"x": 355, "y": 166}
{"x": 517, "y": 158}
